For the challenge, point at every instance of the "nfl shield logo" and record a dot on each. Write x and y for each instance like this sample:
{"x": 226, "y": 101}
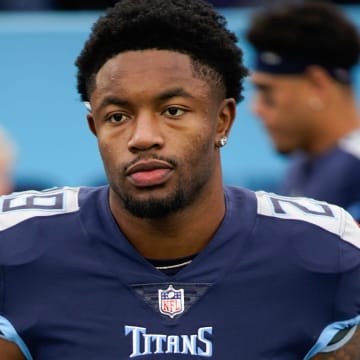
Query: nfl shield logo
{"x": 171, "y": 301}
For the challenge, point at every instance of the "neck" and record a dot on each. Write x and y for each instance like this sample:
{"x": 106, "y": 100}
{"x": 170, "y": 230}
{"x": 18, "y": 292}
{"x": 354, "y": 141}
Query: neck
{"x": 181, "y": 234}
{"x": 339, "y": 119}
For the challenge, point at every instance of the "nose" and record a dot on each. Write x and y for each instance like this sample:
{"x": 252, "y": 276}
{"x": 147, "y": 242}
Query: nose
{"x": 146, "y": 132}
{"x": 256, "y": 106}
{"x": 260, "y": 108}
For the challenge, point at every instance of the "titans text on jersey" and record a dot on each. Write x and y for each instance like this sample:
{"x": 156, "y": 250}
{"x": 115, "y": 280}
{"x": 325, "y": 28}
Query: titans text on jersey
{"x": 144, "y": 343}
{"x": 279, "y": 278}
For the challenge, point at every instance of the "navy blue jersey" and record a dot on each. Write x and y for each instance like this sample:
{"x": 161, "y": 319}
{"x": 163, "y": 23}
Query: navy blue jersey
{"x": 279, "y": 278}
{"x": 333, "y": 177}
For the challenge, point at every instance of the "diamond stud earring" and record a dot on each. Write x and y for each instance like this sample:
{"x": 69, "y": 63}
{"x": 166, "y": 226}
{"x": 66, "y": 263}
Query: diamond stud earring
{"x": 223, "y": 141}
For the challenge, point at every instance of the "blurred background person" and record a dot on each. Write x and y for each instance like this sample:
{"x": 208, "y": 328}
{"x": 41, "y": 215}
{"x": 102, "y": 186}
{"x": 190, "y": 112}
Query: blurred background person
{"x": 7, "y": 161}
{"x": 304, "y": 95}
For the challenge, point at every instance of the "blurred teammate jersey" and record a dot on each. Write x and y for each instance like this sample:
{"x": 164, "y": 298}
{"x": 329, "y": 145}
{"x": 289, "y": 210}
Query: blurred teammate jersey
{"x": 333, "y": 176}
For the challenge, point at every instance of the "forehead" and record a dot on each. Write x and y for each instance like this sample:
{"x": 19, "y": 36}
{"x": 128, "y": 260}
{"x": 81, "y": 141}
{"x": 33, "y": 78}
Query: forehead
{"x": 264, "y": 80}
{"x": 148, "y": 69}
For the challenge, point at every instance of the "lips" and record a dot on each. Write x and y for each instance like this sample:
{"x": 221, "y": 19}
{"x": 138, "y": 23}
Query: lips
{"x": 149, "y": 173}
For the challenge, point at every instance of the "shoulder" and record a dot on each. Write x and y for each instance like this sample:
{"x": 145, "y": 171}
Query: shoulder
{"x": 33, "y": 222}
{"x": 331, "y": 218}
{"x": 21, "y": 206}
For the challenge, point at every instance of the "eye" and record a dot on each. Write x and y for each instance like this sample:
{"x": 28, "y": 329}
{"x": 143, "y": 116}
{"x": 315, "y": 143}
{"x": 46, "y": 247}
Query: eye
{"x": 174, "y": 111}
{"x": 116, "y": 118}
{"x": 268, "y": 100}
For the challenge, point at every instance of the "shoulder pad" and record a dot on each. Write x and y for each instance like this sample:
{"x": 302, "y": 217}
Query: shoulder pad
{"x": 329, "y": 217}
{"x": 20, "y": 206}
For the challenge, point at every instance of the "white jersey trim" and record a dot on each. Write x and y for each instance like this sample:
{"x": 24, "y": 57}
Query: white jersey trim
{"x": 18, "y": 207}
{"x": 327, "y": 216}
{"x": 351, "y": 143}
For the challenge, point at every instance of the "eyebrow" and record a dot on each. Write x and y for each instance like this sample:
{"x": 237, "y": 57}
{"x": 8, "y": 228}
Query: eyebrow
{"x": 112, "y": 100}
{"x": 171, "y": 93}
{"x": 166, "y": 95}
{"x": 261, "y": 86}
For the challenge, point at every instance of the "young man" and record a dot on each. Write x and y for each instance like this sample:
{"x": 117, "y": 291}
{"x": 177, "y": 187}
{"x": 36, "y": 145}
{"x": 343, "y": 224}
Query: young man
{"x": 166, "y": 262}
{"x": 305, "y": 54}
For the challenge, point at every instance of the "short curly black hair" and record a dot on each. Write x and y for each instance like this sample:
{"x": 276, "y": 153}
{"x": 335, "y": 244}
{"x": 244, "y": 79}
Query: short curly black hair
{"x": 310, "y": 29}
{"x": 192, "y": 27}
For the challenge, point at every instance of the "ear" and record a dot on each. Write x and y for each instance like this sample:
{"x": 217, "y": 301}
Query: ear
{"x": 226, "y": 117}
{"x": 320, "y": 85}
{"x": 318, "y": 78}
{"x": 91, "y": 123}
